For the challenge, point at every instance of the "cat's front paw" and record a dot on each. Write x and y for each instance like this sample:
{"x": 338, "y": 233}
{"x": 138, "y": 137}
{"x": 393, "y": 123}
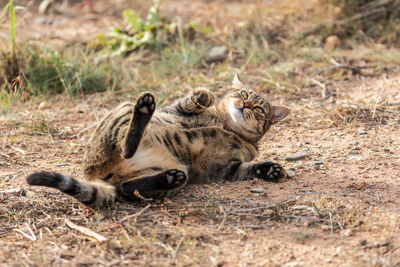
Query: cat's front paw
{"x": 269, "y": 171}
{"x": 145, "y": 104}
{"x": 202, "y": 97}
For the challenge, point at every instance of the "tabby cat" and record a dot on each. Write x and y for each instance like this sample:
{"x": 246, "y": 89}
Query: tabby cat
{"x": 138, "y": 152}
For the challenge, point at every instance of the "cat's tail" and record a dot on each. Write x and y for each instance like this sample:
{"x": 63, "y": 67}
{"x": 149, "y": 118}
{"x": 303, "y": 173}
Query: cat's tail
{"x": 92, "y": 194}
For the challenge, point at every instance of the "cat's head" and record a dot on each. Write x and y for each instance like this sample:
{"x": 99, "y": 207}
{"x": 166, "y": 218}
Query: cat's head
{"x": 247, "y": 113}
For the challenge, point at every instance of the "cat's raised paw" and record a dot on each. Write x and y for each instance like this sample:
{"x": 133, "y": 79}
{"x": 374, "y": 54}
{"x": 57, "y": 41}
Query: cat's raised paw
{"x": 145, "y": 104}
{"x": 203, "y": 97}
{"x": 269, "y": 171}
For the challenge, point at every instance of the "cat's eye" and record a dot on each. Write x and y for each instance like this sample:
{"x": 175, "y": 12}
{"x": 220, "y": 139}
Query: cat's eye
{"x": 259, "y": 110}
{"x": 244, "y": 95}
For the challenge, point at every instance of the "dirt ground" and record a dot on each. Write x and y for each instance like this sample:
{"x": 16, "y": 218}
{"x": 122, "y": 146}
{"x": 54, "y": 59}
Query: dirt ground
{"x": 341, "y": 208}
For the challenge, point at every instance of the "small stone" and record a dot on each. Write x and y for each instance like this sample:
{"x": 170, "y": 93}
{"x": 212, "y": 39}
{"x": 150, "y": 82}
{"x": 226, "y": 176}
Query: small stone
{"x": 340, "y": 134}
{"x": 347, "y": 232}
{"x": 257, "y": 190}
{"x": 43, "y": 105}
{"x": 19, "y": 191}
{"x": 216, "y": 54}
{"x": 363, "y": 242}
{"x": 61, "y": 164}
{"x": 355, "y": 158}
{"x": 318, "y": 162}
{"x": 331, "y": 42}
{"x": 295, "y": 157}
{"x": 291, "y": 172}
{"x": 305, "y": 185}
{"x": 353, "y": 152}
{"x": 323, "y": 138}
{"x": 307, "y": 142}
{"x": 336, "y": 161}
{"x": 362, "y": 132}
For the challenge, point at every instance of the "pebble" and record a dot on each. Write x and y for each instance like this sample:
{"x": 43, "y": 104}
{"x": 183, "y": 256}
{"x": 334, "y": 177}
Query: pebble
{"x": 318, "y": 162}
{"x": 353, "y": 152}
{"x": 295, "y": 157}
{"x": 257, "y": 190}
{"x": 43, "y": 105}
{"x": 355, "y": 158}
{"x": 347, "y": 232}
{"x": 336, "y": 161}
{"x": 323, "y": 138}
{"x": 307, "y": 142}
{"x": 19, "y": 191}
{"x": 362, "y": 133}
{"x": 61, "y": 164}
{"x": 291, "y": 172}
{"x": 216, "y": 54}
{"x": 340, "y": 134}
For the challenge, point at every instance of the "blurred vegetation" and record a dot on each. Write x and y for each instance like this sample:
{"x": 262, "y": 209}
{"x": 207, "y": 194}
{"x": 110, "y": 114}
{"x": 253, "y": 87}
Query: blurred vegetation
{"x": 377, "y": 20}
{"x": 148, "y": 53}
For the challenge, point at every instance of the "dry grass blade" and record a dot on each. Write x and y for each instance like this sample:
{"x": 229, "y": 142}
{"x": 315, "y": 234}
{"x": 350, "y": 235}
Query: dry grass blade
{"x": 136, "y": 215}
{"x": 85, "y": 231}
{"x": 31, "y": 235}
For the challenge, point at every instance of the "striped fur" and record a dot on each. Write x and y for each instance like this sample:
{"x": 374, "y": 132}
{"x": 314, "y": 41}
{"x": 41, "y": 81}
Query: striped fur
{"x": 137, "y": 149}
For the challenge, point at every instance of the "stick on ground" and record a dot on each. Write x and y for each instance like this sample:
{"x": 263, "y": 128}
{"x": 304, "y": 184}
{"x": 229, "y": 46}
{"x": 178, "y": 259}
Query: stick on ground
{"x": 85, "y": 231}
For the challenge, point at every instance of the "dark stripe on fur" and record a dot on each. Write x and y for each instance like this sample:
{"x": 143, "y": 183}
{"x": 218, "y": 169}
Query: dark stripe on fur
{"x": 178, "y": 139}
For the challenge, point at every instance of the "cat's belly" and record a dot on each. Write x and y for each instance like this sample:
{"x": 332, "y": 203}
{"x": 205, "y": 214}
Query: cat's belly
{"x": 147, "y": 160}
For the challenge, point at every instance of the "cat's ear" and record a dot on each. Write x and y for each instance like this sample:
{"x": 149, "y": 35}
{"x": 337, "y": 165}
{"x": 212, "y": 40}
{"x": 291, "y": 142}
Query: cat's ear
{"x": 279, "y": 113}
{"x": 236, "y": 83}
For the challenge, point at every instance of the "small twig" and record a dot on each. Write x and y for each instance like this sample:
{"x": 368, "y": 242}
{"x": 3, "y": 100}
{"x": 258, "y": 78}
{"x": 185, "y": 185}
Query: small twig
{"x": 63, "y": 83}
{"x": 138, "y": 195}
{"x": 85, "y": 129}
{"x": 223, "y": 220}
{"x": 85, "y": 231}
{"x": 5, "y": 155}
{"x": 247, "y": 60}
{"x": 178, "y": 246}
{"x": 31, "y": 235}
{"x": 323, "y": 86}
{"x": 378, "y": 99}
{"x": 136, "y": 215}
{"x": 19, "y": 150}
{"x": 330, "y": 219}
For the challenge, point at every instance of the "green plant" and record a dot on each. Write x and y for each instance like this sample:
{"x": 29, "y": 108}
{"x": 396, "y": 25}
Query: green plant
{"x": 10, "y": 5}
{"x": 152, "y": 32}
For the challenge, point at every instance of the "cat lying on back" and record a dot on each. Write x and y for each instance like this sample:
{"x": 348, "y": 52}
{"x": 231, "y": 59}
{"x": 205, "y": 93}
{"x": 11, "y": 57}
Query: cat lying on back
{"x": 138, "y": 152}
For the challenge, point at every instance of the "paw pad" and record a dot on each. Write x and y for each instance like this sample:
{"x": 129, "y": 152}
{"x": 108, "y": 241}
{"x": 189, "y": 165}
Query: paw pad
{"x": 175, "y": 178}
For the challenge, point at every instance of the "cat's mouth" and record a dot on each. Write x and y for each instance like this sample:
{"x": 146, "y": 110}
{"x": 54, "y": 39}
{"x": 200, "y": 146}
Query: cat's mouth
{"x": 239, "y": 111}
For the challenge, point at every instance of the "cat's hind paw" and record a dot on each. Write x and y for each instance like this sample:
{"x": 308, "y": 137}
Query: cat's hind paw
{"x": 269, "y": 171}
{"x": 172, "y": 179}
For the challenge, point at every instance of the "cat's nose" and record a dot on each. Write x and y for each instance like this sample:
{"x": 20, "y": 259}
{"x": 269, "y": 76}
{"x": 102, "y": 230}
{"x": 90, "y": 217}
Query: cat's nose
{"x": 247, "y": 104}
